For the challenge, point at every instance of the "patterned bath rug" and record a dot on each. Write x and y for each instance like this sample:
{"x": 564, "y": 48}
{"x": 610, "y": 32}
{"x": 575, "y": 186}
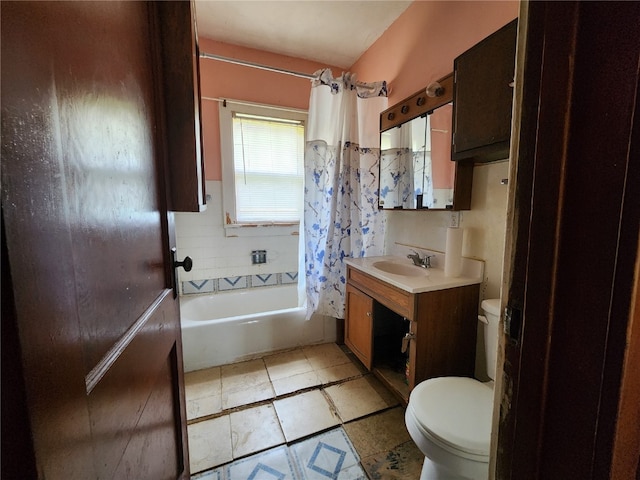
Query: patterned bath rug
{"x": 329, "y": 455}
{"x": 209, "y": 475}
{"x": 274, "y": 464}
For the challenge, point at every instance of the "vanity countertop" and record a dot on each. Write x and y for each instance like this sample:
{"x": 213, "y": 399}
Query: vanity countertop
{"x": 432, "y": 279}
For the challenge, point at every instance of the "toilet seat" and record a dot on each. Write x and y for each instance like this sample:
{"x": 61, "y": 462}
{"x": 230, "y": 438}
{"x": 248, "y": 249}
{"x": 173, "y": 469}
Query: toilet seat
{"x": 455, "y": 413}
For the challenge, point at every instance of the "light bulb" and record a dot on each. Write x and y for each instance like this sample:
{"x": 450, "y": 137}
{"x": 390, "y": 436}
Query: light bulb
{"x": 434, "y": 90}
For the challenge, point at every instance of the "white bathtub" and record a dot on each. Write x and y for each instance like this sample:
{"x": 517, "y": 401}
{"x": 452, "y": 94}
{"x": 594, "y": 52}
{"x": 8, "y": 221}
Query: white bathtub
{"x": 229, "y": 327}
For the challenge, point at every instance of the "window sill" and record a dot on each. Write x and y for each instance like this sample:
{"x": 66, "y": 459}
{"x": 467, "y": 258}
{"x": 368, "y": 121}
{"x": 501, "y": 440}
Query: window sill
{"x": 261, "y": 229}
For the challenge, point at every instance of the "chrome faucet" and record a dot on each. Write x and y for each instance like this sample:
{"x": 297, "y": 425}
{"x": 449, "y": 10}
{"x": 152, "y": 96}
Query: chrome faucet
{"x": 424, "y": 262}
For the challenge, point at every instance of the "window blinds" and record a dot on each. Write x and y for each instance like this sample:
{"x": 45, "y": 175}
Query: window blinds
{"x": 268, "y": 163}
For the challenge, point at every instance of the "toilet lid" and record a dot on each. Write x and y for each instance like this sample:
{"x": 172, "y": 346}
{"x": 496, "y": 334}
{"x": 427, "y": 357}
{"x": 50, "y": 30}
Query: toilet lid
{"x": 455, "y": 412}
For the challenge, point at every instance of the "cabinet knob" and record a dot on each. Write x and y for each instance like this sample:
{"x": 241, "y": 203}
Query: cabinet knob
{"x": 368, "y": 314}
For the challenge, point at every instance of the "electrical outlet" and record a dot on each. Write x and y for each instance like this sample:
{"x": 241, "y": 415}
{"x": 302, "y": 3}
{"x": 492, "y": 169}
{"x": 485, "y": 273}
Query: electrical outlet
{"x": 455, "y": 220}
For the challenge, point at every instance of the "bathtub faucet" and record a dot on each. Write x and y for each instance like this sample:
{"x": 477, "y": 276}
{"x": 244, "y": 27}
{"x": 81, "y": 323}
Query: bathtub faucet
{"x": 424, "y": 262}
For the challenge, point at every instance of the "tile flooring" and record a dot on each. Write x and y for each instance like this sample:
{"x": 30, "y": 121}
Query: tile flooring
{"x": 309, "y": 413}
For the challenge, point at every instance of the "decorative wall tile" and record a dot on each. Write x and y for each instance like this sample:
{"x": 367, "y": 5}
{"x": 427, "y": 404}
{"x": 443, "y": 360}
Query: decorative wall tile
{"x": 289, "y": 277}
{"x": 264, "y": 279}
{"x": 232, "y": 283}
{"x": 214, "y": 285}
{"x": 197, "y": 286}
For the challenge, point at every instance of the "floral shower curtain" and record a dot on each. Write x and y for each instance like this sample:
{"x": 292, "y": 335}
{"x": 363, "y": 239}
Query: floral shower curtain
{"x": 342, "y": 155}
{"x": 405, "y": 159}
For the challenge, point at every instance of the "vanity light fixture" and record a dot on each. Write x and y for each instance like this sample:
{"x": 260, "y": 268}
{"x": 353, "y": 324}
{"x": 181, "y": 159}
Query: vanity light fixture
{"x": 434, "y": 90}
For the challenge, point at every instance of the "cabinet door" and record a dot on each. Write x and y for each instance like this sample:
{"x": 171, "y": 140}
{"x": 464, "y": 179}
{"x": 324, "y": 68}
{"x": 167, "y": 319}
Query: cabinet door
{"x": 181, "y": 93}
{"x": 482, "y": 97}
{"x": 359, "y": 325}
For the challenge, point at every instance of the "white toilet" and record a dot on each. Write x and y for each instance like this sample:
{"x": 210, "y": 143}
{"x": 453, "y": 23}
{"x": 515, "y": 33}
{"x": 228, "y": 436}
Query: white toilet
{"x": 449, "y": 418}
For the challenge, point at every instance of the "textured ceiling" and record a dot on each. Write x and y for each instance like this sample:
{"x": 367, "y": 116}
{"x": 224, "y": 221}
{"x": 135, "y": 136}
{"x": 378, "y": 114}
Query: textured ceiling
{"x": 330, "y": 32}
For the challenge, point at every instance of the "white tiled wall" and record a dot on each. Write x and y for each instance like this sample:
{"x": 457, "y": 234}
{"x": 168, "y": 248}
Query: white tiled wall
{"x": 201, "y": 236}
{"x": 484, "y": 225}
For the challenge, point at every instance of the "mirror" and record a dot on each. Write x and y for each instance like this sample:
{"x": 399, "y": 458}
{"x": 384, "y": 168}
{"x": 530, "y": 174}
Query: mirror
{"x": 416, "y": 171}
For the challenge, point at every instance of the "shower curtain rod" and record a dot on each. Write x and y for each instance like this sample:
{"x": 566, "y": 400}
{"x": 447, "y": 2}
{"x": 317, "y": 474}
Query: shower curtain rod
{"x": 245, "y": 63}
{"x": 224, "y": 101}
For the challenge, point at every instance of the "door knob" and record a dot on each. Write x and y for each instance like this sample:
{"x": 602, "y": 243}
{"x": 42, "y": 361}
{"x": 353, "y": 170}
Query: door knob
{"x": 187, "y": 263}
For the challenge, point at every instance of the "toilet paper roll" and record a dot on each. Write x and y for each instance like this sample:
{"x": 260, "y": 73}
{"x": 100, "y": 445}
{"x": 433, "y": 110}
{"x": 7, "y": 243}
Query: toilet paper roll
{"x": 453, "y": 252}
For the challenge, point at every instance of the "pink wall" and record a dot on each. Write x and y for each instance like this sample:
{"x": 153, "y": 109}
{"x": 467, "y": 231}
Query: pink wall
{"x": 225, "y": 80}
{"x": 420, "y": 46}
{"x": 417, "y": 48}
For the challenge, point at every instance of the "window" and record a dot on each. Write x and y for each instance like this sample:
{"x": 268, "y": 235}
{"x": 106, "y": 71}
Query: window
{"x": 262, "y": 164}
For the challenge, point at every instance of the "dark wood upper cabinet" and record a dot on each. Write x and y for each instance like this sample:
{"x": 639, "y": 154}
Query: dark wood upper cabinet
{"x": 181, "y": 94}
{"x": 482, "y": 97}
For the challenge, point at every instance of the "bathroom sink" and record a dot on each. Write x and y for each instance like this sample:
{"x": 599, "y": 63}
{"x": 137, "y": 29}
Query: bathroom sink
{"x": 401, "y": 269}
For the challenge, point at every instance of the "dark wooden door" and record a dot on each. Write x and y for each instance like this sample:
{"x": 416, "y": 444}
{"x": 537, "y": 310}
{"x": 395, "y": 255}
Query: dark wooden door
{"x": 574, "y": 248}
{"x": 87, "y": 251}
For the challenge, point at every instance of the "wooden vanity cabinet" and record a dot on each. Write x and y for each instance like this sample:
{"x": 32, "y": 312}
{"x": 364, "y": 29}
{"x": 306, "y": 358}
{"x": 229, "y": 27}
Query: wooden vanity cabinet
{"x": 358, "y": 325}
{"x": 443, "y": 322}
{"x": 483, "y": 96}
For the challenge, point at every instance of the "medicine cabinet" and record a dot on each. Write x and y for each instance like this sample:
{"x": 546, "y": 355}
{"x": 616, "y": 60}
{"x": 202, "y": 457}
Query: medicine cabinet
{"x": 416, "y": 171}
{"x": 483, "y": 96}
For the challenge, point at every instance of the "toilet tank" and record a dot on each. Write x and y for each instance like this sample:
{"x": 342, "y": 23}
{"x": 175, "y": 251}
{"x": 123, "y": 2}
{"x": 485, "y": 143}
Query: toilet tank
{"x": 491, "y": 313}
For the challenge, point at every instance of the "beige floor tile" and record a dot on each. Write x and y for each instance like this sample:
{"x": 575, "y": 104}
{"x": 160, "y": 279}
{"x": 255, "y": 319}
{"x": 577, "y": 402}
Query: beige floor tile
{"x": 325, "y": 355}
{"x": 337, "y": 373}
{"x": 294, "y": 383}
{"x": 209, "y": 443}
{"x": 305, "y": 414}
{"x": 403, "y": 462}
{"x": 360, "y": 397}
{"x": 378, "y": 433}
{"x": 253, "y": 393}
{"x": 354, "y": 360}
{"x": 287, "y": 364}
{"x": 255, "y": 429}
{"x": 244, "y": 383}
{"x": 202, "y": 383}
{"x": 239, "y": 376}
{"x": 201, "y": 407}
